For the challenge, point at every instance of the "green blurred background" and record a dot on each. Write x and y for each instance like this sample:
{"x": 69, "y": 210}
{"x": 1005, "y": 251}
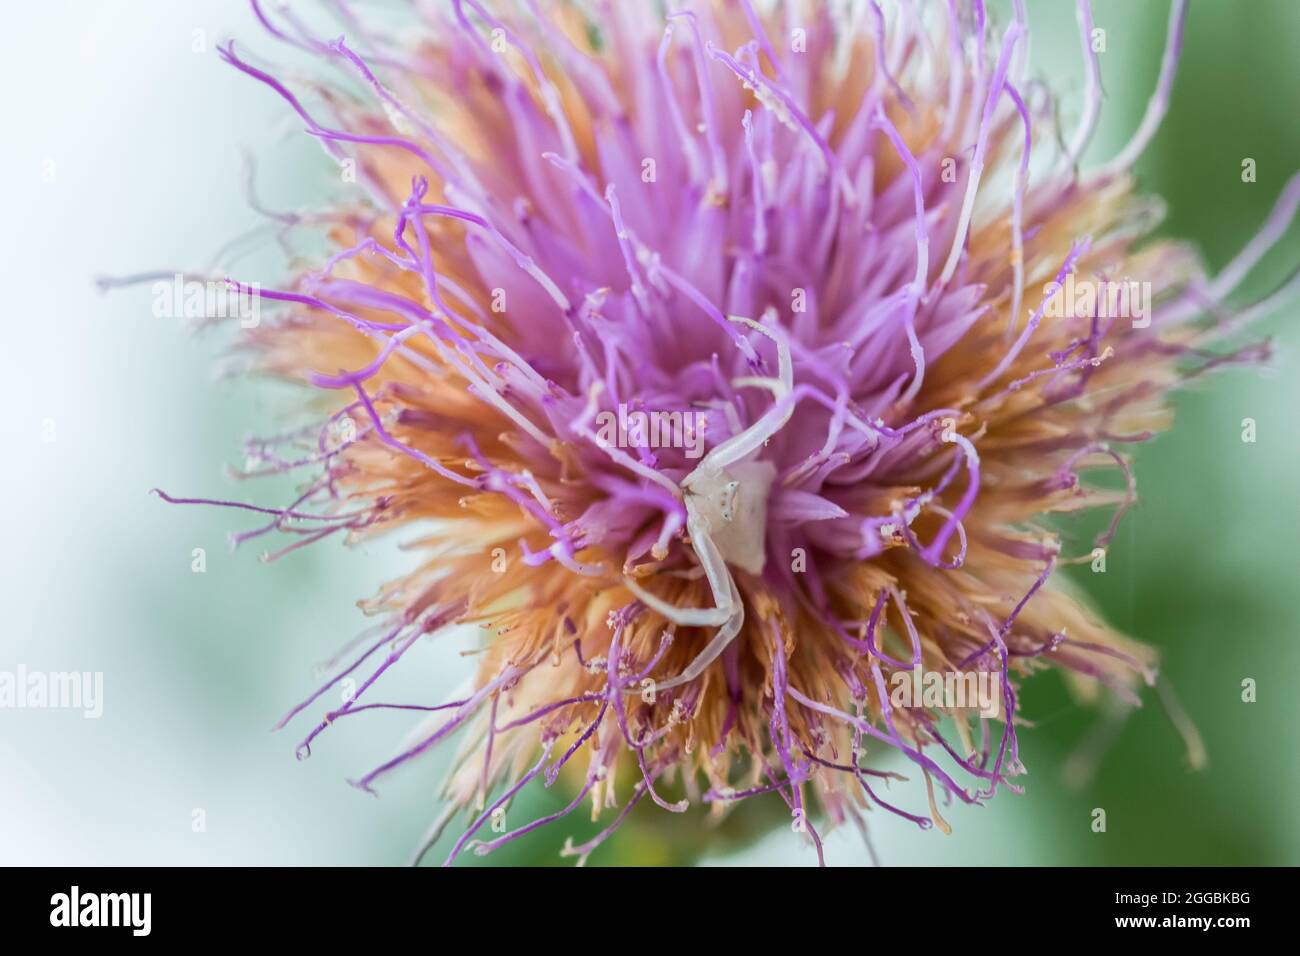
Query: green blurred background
{"x": 145, "y": 134}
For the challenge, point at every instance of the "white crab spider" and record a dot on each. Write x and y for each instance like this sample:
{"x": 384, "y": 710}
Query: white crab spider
{"x": 726, "y": 515}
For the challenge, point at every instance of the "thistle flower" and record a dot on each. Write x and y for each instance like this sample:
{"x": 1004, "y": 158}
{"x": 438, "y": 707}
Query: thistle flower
{"x": 740, "y": 358}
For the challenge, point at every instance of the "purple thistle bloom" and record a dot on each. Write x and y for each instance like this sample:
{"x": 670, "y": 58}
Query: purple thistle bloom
{"x": 740, "y": 355}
